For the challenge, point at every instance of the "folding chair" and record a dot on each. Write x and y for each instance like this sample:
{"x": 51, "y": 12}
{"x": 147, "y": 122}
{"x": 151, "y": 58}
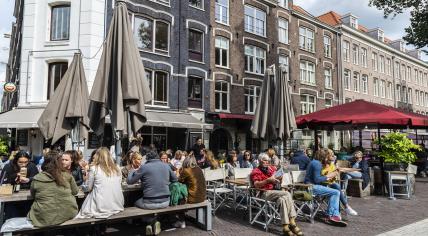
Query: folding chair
{"x": 217, "y": 192}
{"x": 261, "y": 211}
{"x": 240, "y": 192}
{"x": 401, "y": 179}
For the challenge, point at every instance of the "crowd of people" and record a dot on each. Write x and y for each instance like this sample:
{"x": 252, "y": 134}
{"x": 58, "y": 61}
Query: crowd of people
{"x": 56, "y": 181}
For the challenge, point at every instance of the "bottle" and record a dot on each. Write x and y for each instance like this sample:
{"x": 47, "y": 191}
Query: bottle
{"x": 17, "y": 187}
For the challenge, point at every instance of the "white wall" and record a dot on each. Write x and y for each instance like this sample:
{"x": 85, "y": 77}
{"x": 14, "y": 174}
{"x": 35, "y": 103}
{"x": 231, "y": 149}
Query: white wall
{"x": 86, "y": 34}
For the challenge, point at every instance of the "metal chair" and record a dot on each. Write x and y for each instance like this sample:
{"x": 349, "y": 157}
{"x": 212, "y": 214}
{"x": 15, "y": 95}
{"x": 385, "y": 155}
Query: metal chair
{"x": 240, "y": 192}
{"x": 217, "y": 192}
{"x": 261, "y": 211}
{"x": 401, "y": 179}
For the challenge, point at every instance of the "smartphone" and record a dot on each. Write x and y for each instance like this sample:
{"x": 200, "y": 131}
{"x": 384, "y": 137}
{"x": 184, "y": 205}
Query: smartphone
{"x": 279, "y": 173}
{"x": 23, "y": 172}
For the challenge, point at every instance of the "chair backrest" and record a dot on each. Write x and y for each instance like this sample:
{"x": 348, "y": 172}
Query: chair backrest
{"x": 342, "y": 164}
{"x": 287, "y": 180}
{"x": 412, "y": 169}
{"x": 291, "y": 167}
{"x": 242, "y": 173}
{"x": 213, "y": 175}
{"x": 298, "y": 176}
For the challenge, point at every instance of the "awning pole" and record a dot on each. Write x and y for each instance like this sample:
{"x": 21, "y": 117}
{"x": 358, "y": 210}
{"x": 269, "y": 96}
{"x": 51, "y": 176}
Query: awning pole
{"x": 416, "y": 133}
{"x": 382, "y": 169}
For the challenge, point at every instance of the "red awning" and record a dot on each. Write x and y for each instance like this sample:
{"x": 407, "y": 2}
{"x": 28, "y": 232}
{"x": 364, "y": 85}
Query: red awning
{"x": 361, "y": 112}
{"x": 235, "y": 116}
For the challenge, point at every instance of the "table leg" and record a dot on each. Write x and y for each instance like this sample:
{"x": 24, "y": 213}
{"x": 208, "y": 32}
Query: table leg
{"x": 204, "y": 217}
{"x": 1, "y": 214}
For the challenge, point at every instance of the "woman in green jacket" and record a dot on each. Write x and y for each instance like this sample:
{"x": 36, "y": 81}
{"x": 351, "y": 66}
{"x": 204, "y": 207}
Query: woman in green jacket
{"x": 54, "y": 194}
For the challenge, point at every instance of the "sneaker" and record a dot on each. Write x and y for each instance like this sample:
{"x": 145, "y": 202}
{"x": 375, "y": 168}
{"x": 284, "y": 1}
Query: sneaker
{"x": 335, "y": 218}
{"x": 351, "y": 211}
{"x": 336, "y": 221}
{"x": 180, "y": 224}
{"x": 149, "y": 230}
{"x": 156, "y": 228}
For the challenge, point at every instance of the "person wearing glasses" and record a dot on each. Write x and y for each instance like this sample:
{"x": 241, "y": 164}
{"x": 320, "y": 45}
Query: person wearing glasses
{"x": 247, "y": 160}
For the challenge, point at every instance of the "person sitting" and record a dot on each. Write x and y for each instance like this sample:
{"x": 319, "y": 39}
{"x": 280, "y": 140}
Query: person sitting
{"x": 19, "y": 173}
{"x": 232, "y": 163}
{"x": 273, "y": 157}
{"x": 362, "y": 173}
{"x": 329, "y": 167}
{"x": 165, "y": 159}
{"x": 210, "y": 161}
{"x": 104, "y": 185}
{"x": 192, "y": 176}
{"x": 155, "y": 179}
{"x": 178, "y": 159}
{"x": 70, "y": 162}
{"x": 54, "y": 193}
{"x": 263, "y": 177}
{"x": 300, "y": 158}
{"x": 247, "y": 160}
{"x": 314, "y": 177}
{"x": 133, "y": 161}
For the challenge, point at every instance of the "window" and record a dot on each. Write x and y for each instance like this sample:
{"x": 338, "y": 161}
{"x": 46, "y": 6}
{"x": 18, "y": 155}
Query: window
{"x": 222, "y": 51}
{"x": 356, "y": 82}
{"x": 417, "y": 97}
{"x": 404, "y": 94}
{"x": 364, "y": 57}
{"x": 374, "y": 61}
{"x": 347, "y": 80}
{"x": 328, "y": 102}
{"x": 158, "y": 81}
{"x": 283, "y": 61}
{"x": 196, "y": 45}
{"x": 252, "y": 94}
{"x": 417, "y": 81}
{"x": 423, "y": 79}
{"x": 55, "y": 74}
{"x": 421, "y": 99}
{"x": 283, "y": 30}
{"x": 409, "y": 73}
{"x": 388, "y": 66}
{"x": 194, "y": 92}
{"x": 222, "y": 11}
{"x": 60, "y": 23}
{"x": 306, "y": 39}
{"x": 307, "y": 104}
{"x": 364, "y": 84}
{"x": 398, "y": 92}
{"x": 196, "y": 3}
{"x": 403, "y": 72}
{"x": 255, "y": 58}
{"x": 283, "y": 3}
{"x": 375, "y": 87}
{"x": 327, "y": 46}
{"x": 354, "y": 22}
{"x": 327, "y": 78}
{"x": 409, "y": 96}
{"x": 346, "y": 50}
{"x": 355, "y": 49}
{"x": 255, "y": 20}
{"x": 382, "y": 88}
{"x": 389, "y": 90}
{"x": 381, "y": 64}
{"x": 221, "y": 96}
{"x": 146, "y": 39}
{"x": 307, "y": 72}
{"x": 397, "y": 70}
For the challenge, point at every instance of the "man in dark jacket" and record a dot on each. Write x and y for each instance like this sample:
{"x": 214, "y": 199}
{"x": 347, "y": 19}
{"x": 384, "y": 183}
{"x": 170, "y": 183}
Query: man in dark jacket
{"x": 363, "y": 173}
{"x": 300, "y": 158}
{"x": 197, "y": 151}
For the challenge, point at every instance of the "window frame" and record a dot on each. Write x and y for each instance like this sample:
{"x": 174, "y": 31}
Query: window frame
{"x": 191, "y": 51}
{"x": 154, "y": 102}
{"x": 51, "y": 81}
{"x": 221, "y": 97}
{"x": 65, "y": 5}
{"x": 327, "y": 46}
{"x": 355, "y": 54}
{"x": 303, "y": 35}
{"x": 254, "y": 18}
{"x": 282, "y": 29}
{"x": 356, "y": 82}
{"x": 220, "y": 8}
{"x": 346, "y": 50}
{"x": 227, "y": 40}
{"x": 191, "y": 101}
{"x": 364, "y": 84}
{"x": 155, "y": 22}
{"x": 347, "y": 79}
{"x": 364, "y": 53}
{"x": 309, "y": 76}
{"x": 254, "y": 58}
{"x": 200, "y": 8}
{"x": 251, "y": 96}
{"x": 308, "y": 104}
{"x": 328, "y": 78}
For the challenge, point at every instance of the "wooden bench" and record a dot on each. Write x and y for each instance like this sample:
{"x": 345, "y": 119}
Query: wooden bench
{"x": 203, "y": 217}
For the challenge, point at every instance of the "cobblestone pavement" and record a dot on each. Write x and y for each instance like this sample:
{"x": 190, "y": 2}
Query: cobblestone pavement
{"x": 376, "y": 215}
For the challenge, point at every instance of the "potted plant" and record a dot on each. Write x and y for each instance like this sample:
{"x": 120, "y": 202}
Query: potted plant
{"x": 398, "y": 150}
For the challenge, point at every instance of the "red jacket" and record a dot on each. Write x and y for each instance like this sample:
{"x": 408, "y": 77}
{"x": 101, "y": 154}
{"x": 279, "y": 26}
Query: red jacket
{"x": 258, "y": 175}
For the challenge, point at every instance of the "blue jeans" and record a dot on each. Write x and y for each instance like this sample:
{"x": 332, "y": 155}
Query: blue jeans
{"x": 343, "y": 198}
{"x": 333, "y": 201}
{"x": 351, "y": 175}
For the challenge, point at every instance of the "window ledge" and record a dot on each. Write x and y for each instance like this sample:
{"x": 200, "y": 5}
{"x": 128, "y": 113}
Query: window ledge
{"x": 197, "y": 8}
{"x": 254, "y": 73}
{"x": 309, "y": 84}
{"x": 259, "y": 35}
{"x": 222, "y": 67}
{"x": 224, "y": 111}
{"x": 307, "y": 50}
{"x": 57, "y": 43}
{"x": 199, "y": 62}
{"x": 195, "y": 109}
{"x": 155, "y": 53}
{"x": 250, "y": 113}
{"x": 329, "y": 88}
{"x": 221, "y": 23}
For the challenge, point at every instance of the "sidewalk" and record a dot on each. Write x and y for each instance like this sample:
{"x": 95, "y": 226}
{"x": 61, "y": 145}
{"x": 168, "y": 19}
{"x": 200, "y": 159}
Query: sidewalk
{"x": 377, "y": 215}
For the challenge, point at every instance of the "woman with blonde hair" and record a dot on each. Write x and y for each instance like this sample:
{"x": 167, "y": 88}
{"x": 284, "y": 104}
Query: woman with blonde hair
{"x": 211, "y": 162}
{"x": 105, "y": 196}
{"x": 133, "y": 161}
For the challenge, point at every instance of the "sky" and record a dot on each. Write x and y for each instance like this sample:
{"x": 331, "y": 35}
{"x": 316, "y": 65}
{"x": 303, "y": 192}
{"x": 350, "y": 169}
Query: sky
{"x": 368, "y": 16}
{"x": 6, "y": 19}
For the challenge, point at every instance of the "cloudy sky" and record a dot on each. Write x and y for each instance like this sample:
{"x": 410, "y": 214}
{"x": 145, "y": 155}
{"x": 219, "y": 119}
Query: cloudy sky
{"x": 368, "y": 16}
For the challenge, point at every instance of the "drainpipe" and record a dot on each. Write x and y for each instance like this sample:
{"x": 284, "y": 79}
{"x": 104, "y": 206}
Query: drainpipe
{"x": 394, "y": 86}
{"x": 340, "y": 70}
{"x": 179, "y": 55}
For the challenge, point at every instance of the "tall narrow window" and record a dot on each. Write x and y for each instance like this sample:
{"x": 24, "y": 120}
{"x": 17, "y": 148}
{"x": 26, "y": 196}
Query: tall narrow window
{"x": 398, "y": 92}
{"x": 255, "y": 59}
{"x": 346, "y": 47}
{"x": 347, "y": 80}
{"x": 364, "y": 84}
{"x": 307, "y": 72}
{"x": 252, "y": 94}
{"x": 255, "y": 20}
{"x": 221, "y": 96}
{"x": 327, "y": 46}
{"x": 283, "y": 3}
{"x": 388, "y": 66}
{"x": 397, "y": 70}
{"x": 306, "y": 39}
{"x": 327, "y": 78}
{"x": 364, "y": 57}
{"x": 222, "y": 51}
{"x": 307, "y": 104}
{"x": 60, "y": 22}
{"x": 375, "y": 87}
{"x": 381, "y": 64}
{"x": 283, "y": 30}
{"x": 409, "y": 74}
{"x": 382, "y": 87}
{"x": 222, "y": 11}
{"x": 409, "y": 96}
{"x": 194, "y": 92}
{"x": 355, "y": 56}
{"x": 417, "y": 97}
{"x": 389, "y": 90}
{"x": 158, "y": 82}
{"x": 283, "y": 62}
{"x": 374, "y": 61}
{"x": 55, "y": 74}
{"x": 196, "y": 44}
{"x": 356, "y": 82}
{"x": 403, "y": 72}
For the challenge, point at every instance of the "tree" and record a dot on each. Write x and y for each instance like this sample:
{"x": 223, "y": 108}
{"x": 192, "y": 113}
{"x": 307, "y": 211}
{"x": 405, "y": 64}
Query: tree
{"x": 417, "y": 32}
